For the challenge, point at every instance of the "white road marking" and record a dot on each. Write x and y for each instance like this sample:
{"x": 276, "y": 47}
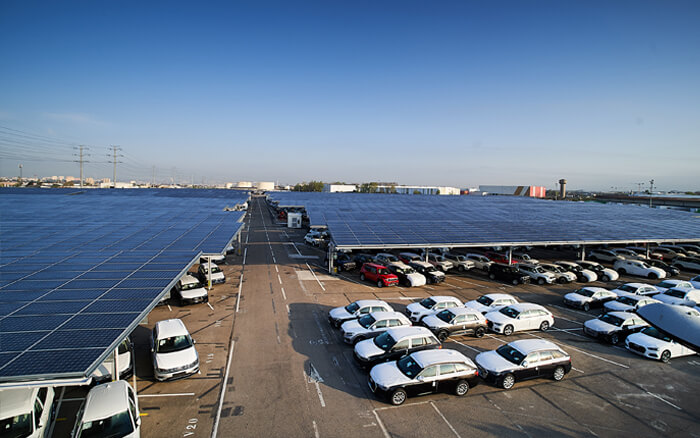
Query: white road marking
{"x": 381, "y": 424}
{"x": 245, "y": 254}
{"x": 663, "y": 400}
{"x": 498, "y": 339}
{"x": 279, "y": 278}
{"x": 284, "y": 295}
{"x": 288, "y": 311}
{"x": 180, "y": 394}
{"x": 276, "y": 270}
{"x": 467, "y": 282}
{"x": 247, "y": 237}
{"x": 445, "y": 419}
{"x": 316, "y": 430}
{"x": 409, "y": 298}
{"x": 453, "y": 285}
{"x": 314, "y": 274}
{"x": 468, "y": 346}
{"x": 240, "y": 286}
{"x": 589, "y": 354}
{"x": 223, "y": 392}
{"x": 170, "y": 308}
{"x": 576, "y": 369}
{"x": 209, "y": 304}
{"x": 572, "y": 311}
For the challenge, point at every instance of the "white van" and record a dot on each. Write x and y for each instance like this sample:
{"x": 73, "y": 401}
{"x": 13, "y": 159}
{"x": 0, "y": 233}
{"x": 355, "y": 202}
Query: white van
{"x": 26, "y": 412}
{"x": 110, "y": 409}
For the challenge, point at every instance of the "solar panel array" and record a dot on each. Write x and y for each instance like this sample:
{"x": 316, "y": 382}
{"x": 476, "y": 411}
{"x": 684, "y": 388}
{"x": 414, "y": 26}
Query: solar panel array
{"x": 79, "y": 270}
{"x": 359, "y": 220}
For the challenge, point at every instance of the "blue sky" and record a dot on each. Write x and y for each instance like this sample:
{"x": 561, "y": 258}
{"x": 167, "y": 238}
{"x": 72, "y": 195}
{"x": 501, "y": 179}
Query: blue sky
{"x": 605, "y": 94}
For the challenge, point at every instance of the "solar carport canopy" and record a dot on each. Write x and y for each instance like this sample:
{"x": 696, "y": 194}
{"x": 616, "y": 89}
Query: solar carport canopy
{"x": 359, "y": 220}
{"x": 80, "y": 269}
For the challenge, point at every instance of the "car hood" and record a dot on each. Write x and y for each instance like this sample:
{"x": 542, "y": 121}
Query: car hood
{"x": 498, "y": 317}
{"x": 340, "y": 313}
{"x": 573, "y": 296}
{"x": 616, "y": 306}
{"x": 388, "y": 375}
{"x": 217, "y": 276}
{"x": 166, "y": 361}
{"x": 668, "y": 299}
{"x": 416, "y": 308}
{"x": 611, "y": 273}
{"x": 600, "y": 326}
{"x": 590, "y": 275}
{"x": 194, "y": 293}
{"x": 493, "y": 362}
{"x": 368, "y": 349}
{"x": 434, "y": 321}
{"x": 437, "y": 274}
{"x": 416, "y": 279}
{"x": 474, "y": 304}
{"x": 352, "y": 326}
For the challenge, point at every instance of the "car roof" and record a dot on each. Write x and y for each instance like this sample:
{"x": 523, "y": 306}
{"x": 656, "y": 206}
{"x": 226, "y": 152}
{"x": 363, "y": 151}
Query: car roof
{"x": 593, "y": 288}
{"x": 409, "y": 253}
{"x": 500, "y": 296}
{"x": 426, "y": 358}
{"x": 422, "y": 263}
{"x": 387, "y": 315}
{"x": 527, "y": 346}
{"x": 171, "y": 327}
{"x": 187, "y": 278}
{"x": 105, "y": 400}
{"x": 474, "y": 254}
{"x": 637, "y": 284}
{"x": 526, "y": 306}
{"x": 17, "y": 401}
{"x": 363, "y": 303}
{"x": 674, "y": 281}
{"x": 408, "y": 330}
{"x": 441, "y": 298}
{"x": 623, "y": 315}
{"x": 464, "y": 311}
{"x": 376, "y": 265}
{"x": 398, "y": 265}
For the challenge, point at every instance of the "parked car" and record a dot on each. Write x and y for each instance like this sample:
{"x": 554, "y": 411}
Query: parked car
{"x": 189, "y": 290}
{"x": 653, "y": 344}
{"x": 440, "y": 262}
{"x": 677, "y": 284}
{"x": 315, "y": 238}
{"x": 582, "y": 275}
{"x": 587, "y": 298}
{"x": 627, "y": 253}
{"x": 423, "y": 372}
{"x": 604, "y": 255}
{"x": 613, "y": 327}
{"x": 456, "y": 321}
{"x": 522, "y": 360}
{"x": 640, "y": 268}
{"x": 687, "y": 263}
{"x": 480, "y": 261}
{"x": 408, "y": 257}
{"x": 26, "y": 412}
{"x": 125, "y": 362}
{"x": 219, "y": 259}
{"x": 690, "y": 248}
{"x": 427, "y": 306}
{"x": 378, "y": 274}
{"x": 491, "y": 302}
{"x": 385, "y": 258}
{"x": 508, "y": 274}
{"x": 628, "y": 303}
{"x": 522, "y": 257}
{"x": 683, "y": 297}
{"x": 668, "y": 254}
{"x": 461, "y": 262}
{"x": 406, "y": 274}
{"x": 536, "y": 273}
{"x": 671, "y": 271}
{"x": 498, "y": 257}
{"x": 109, "y": 410}
{"x": 636, "y": 289}
{"x": 217, "y": 275}
{"x": 562, "y": 275}
{"x": 603, "y": 273}
{"x": 173, "y": 353}
{"x": 362, "y": 258}
{"x": 695, "y": 282}
{"x": 343, "y": 262}
{"x": 680, "y": 250}
{"x": 356, "y": 309}
{"x": 371, "y": 325}
{"x": 520, "y": 317}
{"x": 642, "y": 252}
{"x": 431, "y": 274}
{"x": 394, "y": 343}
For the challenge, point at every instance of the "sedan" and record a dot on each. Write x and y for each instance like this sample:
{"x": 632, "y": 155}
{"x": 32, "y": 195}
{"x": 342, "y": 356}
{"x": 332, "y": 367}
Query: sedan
{"x": 613, "y": 327}
{"x": 371, "y": 325}
{"x": 589, "y": 297}
{"x": 628, "y": 303}
{"x": 655, "y": 345}
{"x": 603, "y": 273}
{"x": 519, "y": 317}
{"x": 491, "y": 302}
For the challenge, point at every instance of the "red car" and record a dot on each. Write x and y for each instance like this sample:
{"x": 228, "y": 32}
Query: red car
{"x": 499, "y": 258}
{"x": 378, "y": 274}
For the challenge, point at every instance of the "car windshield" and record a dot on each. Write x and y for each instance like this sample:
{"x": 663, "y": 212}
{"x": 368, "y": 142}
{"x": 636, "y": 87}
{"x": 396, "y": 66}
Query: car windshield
{"x": 445, "y": 315}
{"x": 384, "y": 341}
{"x": 644, "y": 265}
{"x": 486, "y": 301}
{"x": 383, "y": 271}
{"x": 352, "y": 307}
{"x": 408, "y": 270}
{"x": 628, "y": 288}
{"x": 116, "y": 426}
{"x": 675, "y": 293}
{"x": 538, "y": 269}
{"x": 214, "y": 269}
{"x": 428, "y": 303}
{"x": 408, "y": 366}
{"x": 390, "y": 257}
{"x": 366, "y": 321}
{"x": 510, "y": 354}
{"x": 654, "y": 333}
{"x": 189, "y": 286}
{"x": 175, "y": 343}
{"x": 461, "y": 258}
{"x": 627, "y": 300}
{"x": 612, "y": 319}
{"x": 585, "y": 292}
{"x": 509, "y": 311}
{"x": 19, "y": 426}
{"x": 666, "y": 284}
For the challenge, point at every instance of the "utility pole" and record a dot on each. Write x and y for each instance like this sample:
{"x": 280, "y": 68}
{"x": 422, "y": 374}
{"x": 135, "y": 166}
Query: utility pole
{"x": 114, "y": 156}
{"x": 651, "y": 191}
{"x": 20, "y": 174}
{"x": 154, "y": 177}
{"x": 81, "y": 161}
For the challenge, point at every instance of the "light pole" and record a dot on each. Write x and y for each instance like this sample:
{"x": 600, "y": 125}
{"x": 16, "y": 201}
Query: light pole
{"x": 651, "y": 191}
{"x": 20, "y": 174}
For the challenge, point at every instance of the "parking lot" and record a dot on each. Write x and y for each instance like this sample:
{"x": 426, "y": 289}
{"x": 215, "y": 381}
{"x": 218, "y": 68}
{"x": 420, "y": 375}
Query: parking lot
{"x": 285, "y": 371}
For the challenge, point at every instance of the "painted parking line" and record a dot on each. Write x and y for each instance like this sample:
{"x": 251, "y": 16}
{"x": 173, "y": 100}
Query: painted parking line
{"x": 467, "y": 346}
{"x": 180, "y": 394}
{"x": 467, "y": 282}
{"x": 595, "y": 356}
{"x": 240, "y": 290}
{"x": 445, "y": 420}
{"x": 317, "y": 280}
{"x": 223, "y": 391}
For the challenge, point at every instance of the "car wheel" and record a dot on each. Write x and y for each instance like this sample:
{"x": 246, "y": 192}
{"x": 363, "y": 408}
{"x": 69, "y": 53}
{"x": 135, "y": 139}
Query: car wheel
{"x": 540, "y": 281}
{"x": 515, "y": 282}
{"x": 358, "y": 339}
{"x": 622, "y": 271}
{"x": 398, "y": 397}
{"x": 544, "y": 326}
{"x": 379, "y": 283}
{"x": 479, "y": 332}
{"x": 461, "y": 388}
{"x": 614, "y": 339}
{"x": 558, "y": 373}
{"x": 665, "y": 356}
{"x": 362, "y": 277}
{"x": 492, "y": 276}
{"x": 508, "y": 381}
{"x": 605, "y": 278}
{"x": 561, "y": 280}
{"x": 508, "y": 330}
{"x": 461, "y": 268}
{"x": 443, "y": 335}
{"x": 652, "y": 276}
{"x": 586, "y": 307}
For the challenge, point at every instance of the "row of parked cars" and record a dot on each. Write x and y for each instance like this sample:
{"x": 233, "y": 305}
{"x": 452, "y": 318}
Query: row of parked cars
{"x": 405, "y": 356}
{"x": 670, "y": 258}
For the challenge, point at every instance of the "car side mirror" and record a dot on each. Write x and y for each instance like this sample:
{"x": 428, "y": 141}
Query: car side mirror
{"x": 525, "y": 364}
{"x": 41, "y": 423}
{"x": 420, "y": 378}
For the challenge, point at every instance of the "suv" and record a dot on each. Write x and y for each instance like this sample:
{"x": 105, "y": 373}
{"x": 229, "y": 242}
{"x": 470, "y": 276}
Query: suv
{"x": 523, "y": 257}
{"x": 490, "y": 302}
{"x": 26, "y": 411}
{"x": 636, "y": 289}
{"x": 110, "y": 409}
{"x": 462, "y": 262}
{"x": 371, "y": 325}
{"x": 562, "y": 275}
{"x": 519, "y": 317}
{"x": 217, "y": 275}
{"x": 521, "y": 360}
{"x": 638, "y": 267}
{"x": 685, "y": 297}
{"x": 507, "y": 273}
{"x": 588, "y": 297}
{"x": 687, "y": 263}
{"x": 386, "y": 258}
{"x": 343, "y": 262}
{"x": 604, "y": 255}
{"x": 498, "y": 257}
{"x": 668, "y": 254}
{"x": 408, "y": 257}
{"x": 356, "y": 309}
{"x": 422, "y": 372}
{"x": 603, "y": 273}
{"x": 431, "y": 274}
{"x": 582, "y": 275}
{"x": 440, "y": 262}
{"x": 537, "y": 273}
{"x": 456, "y": 321}
{"x": 394, "y": 343}
{"x": 406, "y": 274}
{"x": 427, "y": 306}
{"x": 190, "y": 291}
{"x": 480, "y": 261}
{"x": 172, "y": 348}
{"x": 378, "y": 274}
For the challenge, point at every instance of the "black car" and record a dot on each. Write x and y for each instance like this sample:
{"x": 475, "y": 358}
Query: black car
{"x": 671, "y": 271}
{"x": 393, "y": 344}
{"x": 456, "y": 321}
{"x": 343, "y": 262}
{"x": 362, "y": 258}
{"x": 507, "y": 273}
{"x": 431, "y": 274}
{"x": 522, "y": 360}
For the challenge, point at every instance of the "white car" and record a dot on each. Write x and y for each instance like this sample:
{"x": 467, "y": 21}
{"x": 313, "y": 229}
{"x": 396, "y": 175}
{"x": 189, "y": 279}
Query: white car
{"x": 582, "y": 275}
{"x": 356, "y": 309}
{"x": 613, "y": 327}
{"x": 520, "y": 317}
{"x": 480, "y": 261}
{"x": 675, "y": 284}
{"x": 695, "y": 282}
{"x": 588, "y": 297}
{"x": 315, "y": 238}
{"x": 524, "y": 258}
{"x": 407, "y": 275}
{"x": 371, "y": 325}
{"x": 440, "y": 262}
{"x": 26, "y": 412}
{"x": 640, "y": 268}
{"x": 491, "y": 302}
{"x": 681, "y": 297}
{"x": 628, "y": 303}
{"x": 636, "y": 289}
{"x": 655, "y": 345}
{"x": 562, "y": 275}
{"x": 687, "y": 263}
{"x": 605, "y": 255}
{"x": 417, "y": 311}
{"x": 125, "y": 362}
{"x": 627, "y": 253}
{"x": 217, "y": 275}
{"x": 110, "y": 410}
{"x": 189, "y": 290}
{"x": 219, "y": 259}
{"x": 537, "y": 273}
{"x": 603, "y": 273}
{"x": 462, "y": 262}
{"x": 173, "y": 352}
